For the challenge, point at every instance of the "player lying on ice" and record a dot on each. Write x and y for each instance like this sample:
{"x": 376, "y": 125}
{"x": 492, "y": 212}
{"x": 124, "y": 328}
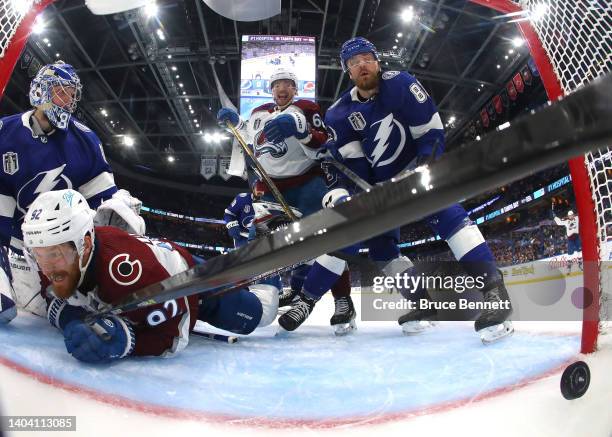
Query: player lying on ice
{"x": 84, "y": 269}
{"x": 386, "y": 124}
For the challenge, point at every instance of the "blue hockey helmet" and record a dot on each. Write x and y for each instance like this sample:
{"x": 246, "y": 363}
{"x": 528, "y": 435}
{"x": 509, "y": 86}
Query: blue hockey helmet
{"x": 356, "y": 46}
{"x": 44, "y": 85}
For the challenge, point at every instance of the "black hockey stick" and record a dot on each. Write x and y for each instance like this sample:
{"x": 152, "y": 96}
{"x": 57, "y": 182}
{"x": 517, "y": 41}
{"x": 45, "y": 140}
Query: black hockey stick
{"x": 351, "y": 175}
{"x": 581, "y": 121}
{"x": 275, "y": 191}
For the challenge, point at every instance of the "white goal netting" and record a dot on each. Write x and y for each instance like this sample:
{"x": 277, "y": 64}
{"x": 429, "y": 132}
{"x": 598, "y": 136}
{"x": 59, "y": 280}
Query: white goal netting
{"x": 577, "y": 38}
{"x": 12, "y": 13}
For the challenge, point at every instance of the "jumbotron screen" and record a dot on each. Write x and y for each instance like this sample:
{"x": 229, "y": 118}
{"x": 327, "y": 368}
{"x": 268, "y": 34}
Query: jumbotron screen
{"x": 262, "y": 55}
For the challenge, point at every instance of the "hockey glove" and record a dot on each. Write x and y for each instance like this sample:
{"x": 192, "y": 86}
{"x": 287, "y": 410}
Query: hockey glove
{"x": 286, "y": 126}
{"x": 60, "y": 313}
{"x": 329, "y": 152}
{"x": 106, "y": 339}
{"x": 226, "y": 114}
{"x": 233, "y": 229}
{"x": 121, "y": 211}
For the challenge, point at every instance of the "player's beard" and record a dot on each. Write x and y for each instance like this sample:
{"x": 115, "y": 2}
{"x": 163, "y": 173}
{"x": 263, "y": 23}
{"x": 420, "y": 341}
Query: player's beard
{"x": 367, "y": 82}
{"x": 64, "y": 283}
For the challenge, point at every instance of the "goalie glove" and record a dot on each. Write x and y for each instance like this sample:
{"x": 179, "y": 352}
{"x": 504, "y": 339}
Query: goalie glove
{"x": 271, "y": 215}
{"x": 121, "y": 211}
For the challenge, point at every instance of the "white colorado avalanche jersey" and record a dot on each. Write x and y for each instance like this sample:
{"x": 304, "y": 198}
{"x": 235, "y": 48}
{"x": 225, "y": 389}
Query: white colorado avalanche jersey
{"x": 292, "y": 157}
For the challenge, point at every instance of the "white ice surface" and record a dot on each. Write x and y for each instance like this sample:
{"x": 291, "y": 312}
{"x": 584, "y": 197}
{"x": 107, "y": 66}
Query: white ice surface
{"x": 376, "y": 380}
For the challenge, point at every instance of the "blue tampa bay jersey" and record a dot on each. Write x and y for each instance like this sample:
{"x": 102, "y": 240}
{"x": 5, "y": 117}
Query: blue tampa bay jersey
{"x": 381, "y": 136}
{"x": 35, "y": 164}
{"x": 241, "y": 210}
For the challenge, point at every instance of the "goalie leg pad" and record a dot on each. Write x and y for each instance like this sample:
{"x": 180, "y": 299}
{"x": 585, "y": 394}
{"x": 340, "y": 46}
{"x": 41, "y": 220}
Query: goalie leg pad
{"x": 8, "y": 309}
{"x": 27, "y": 286}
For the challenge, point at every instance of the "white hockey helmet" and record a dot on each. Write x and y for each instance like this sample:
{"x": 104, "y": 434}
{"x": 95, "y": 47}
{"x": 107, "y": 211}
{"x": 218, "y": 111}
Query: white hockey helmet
{"x": 57, "y": 217}
{"x": 570, "y": 213}
{"x": 283, "y": 73}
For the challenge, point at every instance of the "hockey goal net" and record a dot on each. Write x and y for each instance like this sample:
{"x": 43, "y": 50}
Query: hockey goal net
{"x": 571, "y": 44}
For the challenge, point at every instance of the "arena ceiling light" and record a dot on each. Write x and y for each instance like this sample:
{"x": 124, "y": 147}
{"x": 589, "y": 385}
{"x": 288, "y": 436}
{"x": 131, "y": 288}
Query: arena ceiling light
{"x": 518, "y": 42}
{"x": 128, "y": 140}
{"x": 170, "y": 158}
{"x": 39, "y": 25}
{"x": 160, "y": 35}
{"x": 215, "y": 137}
{"x": 151, "y": 9}
{"x": 407, "y": 15}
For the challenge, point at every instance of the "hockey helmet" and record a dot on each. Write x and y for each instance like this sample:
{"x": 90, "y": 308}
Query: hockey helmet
{"x": 283, "y": 73}
{"x": 42, "y": 88}
{"x": 356, "y": 46}
{"x": 57, "y": 217}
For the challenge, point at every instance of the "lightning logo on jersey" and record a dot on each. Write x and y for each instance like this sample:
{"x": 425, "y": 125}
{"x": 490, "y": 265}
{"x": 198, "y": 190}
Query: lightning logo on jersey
{"x": 386, "y": 130}
{"x": 41, "y": 183}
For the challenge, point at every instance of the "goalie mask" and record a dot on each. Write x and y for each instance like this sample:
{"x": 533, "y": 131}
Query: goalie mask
{"x": 56, "y": 90}
{"x": 54, "y": 218}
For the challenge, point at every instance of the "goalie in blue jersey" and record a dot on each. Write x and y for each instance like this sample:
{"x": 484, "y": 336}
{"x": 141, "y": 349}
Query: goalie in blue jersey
{"x": 386, "y": 124}
{"x": 47, "y": 149}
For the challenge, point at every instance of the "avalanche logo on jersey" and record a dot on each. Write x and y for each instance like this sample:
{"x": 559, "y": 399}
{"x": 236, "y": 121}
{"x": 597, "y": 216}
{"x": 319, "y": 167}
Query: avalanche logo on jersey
{"x": 390, "y": 132}
{"x": 262, "y": 147}
{"x": 123, "y": 271}
{"x": 41, "y": 183}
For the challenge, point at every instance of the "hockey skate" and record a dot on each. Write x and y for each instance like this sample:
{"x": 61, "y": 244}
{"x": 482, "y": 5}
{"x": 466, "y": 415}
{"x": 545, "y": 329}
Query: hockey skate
{"x": 299, "y": 312}
{"x": 287, "y": 297}
{"x": 417, "y": 321}
{"x": 492, "y": 324}
{"x": 343, "y": 320}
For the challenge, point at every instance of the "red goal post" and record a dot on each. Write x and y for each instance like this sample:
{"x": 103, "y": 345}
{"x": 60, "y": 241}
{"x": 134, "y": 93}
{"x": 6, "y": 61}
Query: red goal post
{"x": 16, "y": 20}
{"x": 570, "y": 43}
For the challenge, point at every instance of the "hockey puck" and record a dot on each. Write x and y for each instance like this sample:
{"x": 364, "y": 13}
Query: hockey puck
{"x": 575, "y": 380}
